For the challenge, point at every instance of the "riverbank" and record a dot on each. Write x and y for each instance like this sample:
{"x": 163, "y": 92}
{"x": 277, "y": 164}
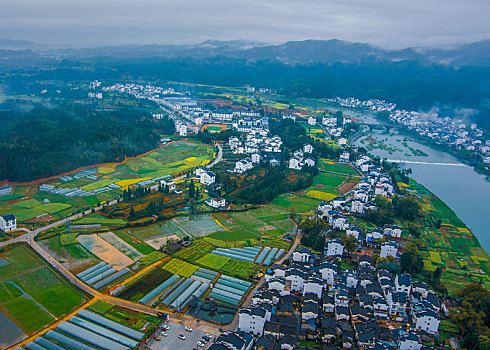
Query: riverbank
{"x": 448, "y": 243}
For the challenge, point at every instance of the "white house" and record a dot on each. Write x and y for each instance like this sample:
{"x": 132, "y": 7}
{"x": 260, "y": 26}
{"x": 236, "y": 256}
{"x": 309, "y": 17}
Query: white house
{"x": 313, "y": 285}
{"x": 342, "y": 141}
{"x": 311, "y": 120}
{"x": 309, "y": 162}
{"x": 353, "y": 231}
{"x": 216, "y": 202}
{"x": 252, "y": 320}
{"x": 243, "y": 165}
{"x": 357, "y": 206}
{"x": 207, "y": 177}
{"x": 295, "y": 163}
{"x": 302, "y": 255}
{"x": 389, "y": 248}
{"x": 427, "y": 321}
{"x": 403, "y": 283}
{"x": 307, "y": 148}
{"x": 255, "y": 158}
{"x": 328, "y": 272}
{"x": 296, "y": 278}
{"x": 168, "y": 183}
{"x": 8, "y": 223}
{"x": 409, "y": 341}
{"x": 335, "y": 247}
{"x": 393, "y": 231}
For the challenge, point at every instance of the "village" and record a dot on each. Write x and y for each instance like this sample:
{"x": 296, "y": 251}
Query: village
{"x": 308, "y": 270}
{"x": 455, "y": 133}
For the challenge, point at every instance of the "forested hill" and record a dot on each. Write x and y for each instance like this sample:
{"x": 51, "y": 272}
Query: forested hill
{"x": 45, "y": 142}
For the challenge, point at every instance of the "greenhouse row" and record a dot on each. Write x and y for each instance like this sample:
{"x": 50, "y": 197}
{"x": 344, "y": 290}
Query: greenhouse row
{"x": 101, "y": 274}
{"x": 176, "y": 292}
{"x": 229, "y": 290}
{"x": 245, "y": 254}
{"x": 88, "y": 331}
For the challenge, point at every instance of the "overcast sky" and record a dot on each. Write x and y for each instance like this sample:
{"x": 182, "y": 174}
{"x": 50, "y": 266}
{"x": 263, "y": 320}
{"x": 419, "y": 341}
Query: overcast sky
{"x": 387, "y": 23}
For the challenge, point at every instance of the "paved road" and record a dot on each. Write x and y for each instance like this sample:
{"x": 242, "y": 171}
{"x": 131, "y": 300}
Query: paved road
{"x": 31, "y": 234}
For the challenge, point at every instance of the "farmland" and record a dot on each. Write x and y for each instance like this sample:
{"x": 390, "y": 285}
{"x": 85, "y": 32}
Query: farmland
{"x": 31, "y": 295}
{"x": 213, "y": 261}
{"x": 28, "y": 202}
{"x": 452, "y": 246}
{"x": 293, "y": 202}
{"x": 197, "y": 250}
{"x": 239, "y": 268}
{"x": 333, "y": 167}
{"x": 181, "y": 268}
{"x": 140, "y": 287}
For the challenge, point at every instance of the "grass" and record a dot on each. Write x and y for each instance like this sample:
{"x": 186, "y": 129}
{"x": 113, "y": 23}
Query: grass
{"x": 181, "y": 268}
{"x": 213, "y": 261}
{"x": 29, "y": 203}
{"x": 37, "y": 280}
{"x": 337, "y": 168}
{"x": 288, "y": 201}
{"x": 98, "y": 219}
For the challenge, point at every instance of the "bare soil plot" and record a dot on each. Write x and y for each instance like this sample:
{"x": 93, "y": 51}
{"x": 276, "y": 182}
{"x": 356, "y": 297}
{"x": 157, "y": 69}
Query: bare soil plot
{"x": 120, "y": 245}
{"x": 104, "y": 251}
{"x": 158, "y": 242}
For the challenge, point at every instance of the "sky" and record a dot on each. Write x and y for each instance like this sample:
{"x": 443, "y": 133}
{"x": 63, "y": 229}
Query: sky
{"x": 386, "y": 23}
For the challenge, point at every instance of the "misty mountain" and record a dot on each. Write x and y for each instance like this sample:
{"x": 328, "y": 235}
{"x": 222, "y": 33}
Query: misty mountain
{"x": 293, "y": 52}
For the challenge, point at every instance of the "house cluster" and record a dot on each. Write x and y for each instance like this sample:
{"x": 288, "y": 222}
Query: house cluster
{"x": 374, "y": 104}
{"x": 205, "y": 176}
{"x": 313, "y": 298}
{"x": 302, "y": 157}
{"x": 442, "y": 130}
{"x": 259, "y": 146}
{"x": 455, "y": 133}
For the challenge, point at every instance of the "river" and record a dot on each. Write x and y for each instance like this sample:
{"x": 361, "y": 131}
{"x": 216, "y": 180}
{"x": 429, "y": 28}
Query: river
{"x": 466, "y": 192}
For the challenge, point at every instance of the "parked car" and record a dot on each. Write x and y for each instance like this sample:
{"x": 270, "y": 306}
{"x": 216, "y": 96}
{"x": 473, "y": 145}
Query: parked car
{"x": 181, "y": 337}
{"x": 200, "y": 344}
{"x": 164, "y": 334}
{"x": 158, "y": 338}
{"x": 166, "y": 326}
{"x": 206, "y": 338}
{"x": 188, "y": 329}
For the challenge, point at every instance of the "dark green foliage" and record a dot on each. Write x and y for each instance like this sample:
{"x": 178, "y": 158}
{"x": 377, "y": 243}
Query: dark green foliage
{"x": 406, "y": 207}
{"x": 45, "y": 142}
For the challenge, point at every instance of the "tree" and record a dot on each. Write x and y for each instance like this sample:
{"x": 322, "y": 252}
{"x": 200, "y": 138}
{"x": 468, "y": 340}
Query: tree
{"x": 350, "y": 242}
{"x": 406, "y": 207}
{"x": 340, "y": 118}
{"x": 413, "y": 230}
{"x": 411, "y": 259}
{"x": 192, "y": 189}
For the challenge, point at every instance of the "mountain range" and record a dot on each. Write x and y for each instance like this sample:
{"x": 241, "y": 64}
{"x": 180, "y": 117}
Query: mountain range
{"x": 292, "y": 52}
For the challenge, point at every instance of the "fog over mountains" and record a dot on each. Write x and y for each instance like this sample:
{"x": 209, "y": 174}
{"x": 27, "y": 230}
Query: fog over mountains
{"x": 292, "y": 52}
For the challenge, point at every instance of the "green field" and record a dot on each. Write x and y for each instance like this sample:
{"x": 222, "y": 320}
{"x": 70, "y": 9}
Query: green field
{"x": 31, "y": 295}
{"x": 300, "y": 204}
{"x": 195, "y": 251}
{"x": 173, "y": 159}
{"x": 99, "y": 219}
{"x": 328, "y": 182}
{"x": 181, "y": 268}
{"x": 239, "y": 268}
{"x": 252, "y": 224}
{"x": 213, "y": 261}
{"x": 337, "y": 168}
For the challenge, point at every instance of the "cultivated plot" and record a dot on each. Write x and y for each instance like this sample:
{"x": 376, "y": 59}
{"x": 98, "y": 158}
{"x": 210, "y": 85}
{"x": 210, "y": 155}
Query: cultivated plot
{"x": 105, "y": 251}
